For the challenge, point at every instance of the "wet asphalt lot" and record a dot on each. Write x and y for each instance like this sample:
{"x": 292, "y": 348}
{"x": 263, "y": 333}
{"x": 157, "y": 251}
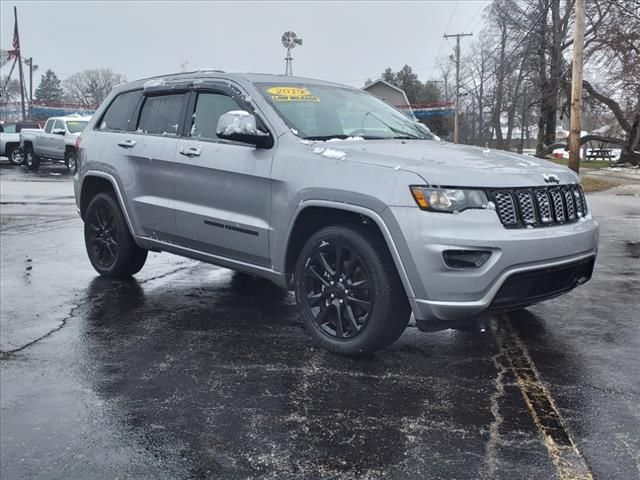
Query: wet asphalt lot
{"x": 192, "y": 371}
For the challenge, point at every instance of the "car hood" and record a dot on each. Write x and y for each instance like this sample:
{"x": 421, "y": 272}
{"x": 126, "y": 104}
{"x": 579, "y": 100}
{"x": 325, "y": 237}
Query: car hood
{"x": 448, "y": 164}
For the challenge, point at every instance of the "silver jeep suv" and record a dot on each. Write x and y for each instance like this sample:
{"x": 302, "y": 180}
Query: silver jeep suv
{"x": 328, "y": 191}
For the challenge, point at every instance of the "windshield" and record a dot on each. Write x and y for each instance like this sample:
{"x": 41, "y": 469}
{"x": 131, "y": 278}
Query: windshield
{"x": 76, "y": 126}
{"x": 318, "y": 112}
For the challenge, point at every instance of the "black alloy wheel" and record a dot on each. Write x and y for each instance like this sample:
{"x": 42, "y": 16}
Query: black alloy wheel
{"x": 103, "y": 236}
{"x": 338, "y": 290}
{"x": 111, "y": 249}
{"x": 348, "y": 290}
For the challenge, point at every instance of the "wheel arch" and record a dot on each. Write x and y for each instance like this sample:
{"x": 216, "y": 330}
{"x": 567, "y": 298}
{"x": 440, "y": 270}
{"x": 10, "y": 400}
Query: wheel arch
{"x": 316, "y": 214}
{"x": 11, "y": 146}
{"x": 94, "y": 182}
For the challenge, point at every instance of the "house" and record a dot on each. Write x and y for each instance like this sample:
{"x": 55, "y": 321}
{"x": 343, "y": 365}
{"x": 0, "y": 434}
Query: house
{"x": 389, "y": 93}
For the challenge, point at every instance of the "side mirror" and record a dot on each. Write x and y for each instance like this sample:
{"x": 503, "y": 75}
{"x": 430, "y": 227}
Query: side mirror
{"x": 241, "y": 126}
{"x": 58, "y": 131}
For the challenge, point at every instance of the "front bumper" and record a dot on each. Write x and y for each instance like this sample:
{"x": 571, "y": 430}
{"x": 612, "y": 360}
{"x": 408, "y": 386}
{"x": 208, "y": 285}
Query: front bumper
{"x": 442, "y": 293}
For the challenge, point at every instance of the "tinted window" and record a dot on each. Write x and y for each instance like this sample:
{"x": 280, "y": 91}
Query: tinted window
{"x": 209, "y": 107}
{"x": 59, "y": 124}
{"x": 49, "y": 126}
{"x": 20, "y": 126}
{"x": 119, "y": 115}
{"x": 161, "y": 115}
{"x": 9, "y": 129}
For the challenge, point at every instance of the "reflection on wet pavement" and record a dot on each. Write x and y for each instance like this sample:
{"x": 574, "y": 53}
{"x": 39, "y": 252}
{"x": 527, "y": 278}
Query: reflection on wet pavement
{"x": 192, "y": 371}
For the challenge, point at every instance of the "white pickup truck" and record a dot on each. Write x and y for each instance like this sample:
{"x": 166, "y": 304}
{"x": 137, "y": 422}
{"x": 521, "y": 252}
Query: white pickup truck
{"x": 10, "y": 139}
{"x": 57, "y": 142}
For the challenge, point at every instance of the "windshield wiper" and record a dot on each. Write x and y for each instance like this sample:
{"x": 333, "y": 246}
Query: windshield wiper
{"x": 403, "y": 134}
{"x": 322, "y": 138}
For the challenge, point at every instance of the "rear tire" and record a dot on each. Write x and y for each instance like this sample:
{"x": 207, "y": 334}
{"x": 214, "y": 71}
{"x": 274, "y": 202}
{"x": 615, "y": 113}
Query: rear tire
{"x": 31, "y": 160}
{"x": 349, "y": 292}
{"x": 15, "y": 155}
{"x": 110, "y": 246}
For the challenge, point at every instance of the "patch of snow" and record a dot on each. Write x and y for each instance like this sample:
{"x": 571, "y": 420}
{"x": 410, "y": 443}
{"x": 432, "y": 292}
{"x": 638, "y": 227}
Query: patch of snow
{"x": 239, "y": 125}
{"x": 330, "y": 153}
{"x": 154, "y": 82}
{"x": 348, "y": 139}
{"x": 294, "y": 131}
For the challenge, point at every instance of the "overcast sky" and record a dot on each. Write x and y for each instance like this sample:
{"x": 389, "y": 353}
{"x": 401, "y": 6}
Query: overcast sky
{"x": 345, "y": 42}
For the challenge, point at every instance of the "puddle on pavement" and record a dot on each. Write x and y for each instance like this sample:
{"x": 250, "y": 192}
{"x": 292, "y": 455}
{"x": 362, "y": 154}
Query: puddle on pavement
{"x": 633, "y": 249}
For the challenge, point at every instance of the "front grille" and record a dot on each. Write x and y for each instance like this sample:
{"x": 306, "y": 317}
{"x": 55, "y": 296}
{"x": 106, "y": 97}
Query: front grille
{"x": 537, "y": 207}
{"x": 533, "y": 286}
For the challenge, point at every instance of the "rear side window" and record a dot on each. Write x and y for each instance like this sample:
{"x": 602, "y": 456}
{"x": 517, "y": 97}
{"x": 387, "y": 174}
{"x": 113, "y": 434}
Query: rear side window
{"x": 119, "y": 115}
{"x": 49, "y": 126}
{"x": 9, "y": 129}
{"x": 21, "y": 126}
{"x": 209, "y": 107}
{"x": 162, "y": 115}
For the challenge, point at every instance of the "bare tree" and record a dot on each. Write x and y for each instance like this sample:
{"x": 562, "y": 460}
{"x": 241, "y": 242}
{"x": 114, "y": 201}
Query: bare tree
{"x": 90, "y": 87}
{"x": 10, "y": 90}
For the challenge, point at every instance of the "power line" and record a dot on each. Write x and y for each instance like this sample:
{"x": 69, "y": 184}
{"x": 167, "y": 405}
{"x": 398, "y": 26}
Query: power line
{"x": 517, "y": 22}
{"x": 474, "y": 16}
{"x": 451, "y": 17}
{"x": 526, "y": 35}
{"x": 433, "y": 68}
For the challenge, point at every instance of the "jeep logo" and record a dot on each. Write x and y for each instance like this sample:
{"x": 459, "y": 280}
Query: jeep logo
{"x": 551, "y": 179}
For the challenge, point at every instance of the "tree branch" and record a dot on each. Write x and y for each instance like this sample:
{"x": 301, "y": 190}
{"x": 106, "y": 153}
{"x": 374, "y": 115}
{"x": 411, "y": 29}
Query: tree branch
{"x": 609, "y": 102}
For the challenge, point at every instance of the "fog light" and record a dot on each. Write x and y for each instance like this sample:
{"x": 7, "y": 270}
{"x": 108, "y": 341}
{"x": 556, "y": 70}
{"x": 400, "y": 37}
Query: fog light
{"x": 465, "y": 258}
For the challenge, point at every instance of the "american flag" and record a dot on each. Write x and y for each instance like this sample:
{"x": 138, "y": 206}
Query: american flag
{"x": 16, "y": 42}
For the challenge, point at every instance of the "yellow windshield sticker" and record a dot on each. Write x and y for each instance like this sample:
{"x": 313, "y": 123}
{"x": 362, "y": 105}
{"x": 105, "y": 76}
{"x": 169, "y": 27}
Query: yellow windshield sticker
{"x": 292, "y": 94}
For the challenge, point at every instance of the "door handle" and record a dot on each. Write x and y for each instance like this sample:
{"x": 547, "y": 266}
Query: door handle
{"x": 190, "y": 152}
{"x": 127, "y": 143}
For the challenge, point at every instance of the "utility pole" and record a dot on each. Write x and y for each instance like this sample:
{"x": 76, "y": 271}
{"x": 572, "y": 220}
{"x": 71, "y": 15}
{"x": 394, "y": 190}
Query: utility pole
{"x": 19, "y": 56}
{"x": 30, "y": 87}
{"x": 524, "y": 119}
{"x": 457, "y": 60}
{"x": 576, "y": 89}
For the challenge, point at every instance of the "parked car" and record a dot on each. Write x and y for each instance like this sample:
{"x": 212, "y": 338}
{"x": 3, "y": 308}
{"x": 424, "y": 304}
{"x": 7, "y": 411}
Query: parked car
{"x": 56, "y": 142}
{"x": 10, "y": 140}
{"x": 366, "y": 222}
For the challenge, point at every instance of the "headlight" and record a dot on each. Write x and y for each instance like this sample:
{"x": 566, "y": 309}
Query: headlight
{"x": 448, "y": 199}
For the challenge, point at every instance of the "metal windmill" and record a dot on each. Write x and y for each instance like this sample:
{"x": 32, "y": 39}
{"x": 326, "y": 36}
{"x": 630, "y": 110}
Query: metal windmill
{"x": 289, "y": 41}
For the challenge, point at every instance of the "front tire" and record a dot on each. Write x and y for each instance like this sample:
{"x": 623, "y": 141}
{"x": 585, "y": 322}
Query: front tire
{"x": 110, "y": 246}
{"x": 70, "y": 160}
{"x": 349, "y": 292}
{"x": 31, "y": 160}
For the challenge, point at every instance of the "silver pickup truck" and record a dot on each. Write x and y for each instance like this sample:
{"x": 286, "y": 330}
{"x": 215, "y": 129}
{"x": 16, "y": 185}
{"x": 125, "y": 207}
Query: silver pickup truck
{"x": 330, "y": 192}
{"x": 57, "y": 142}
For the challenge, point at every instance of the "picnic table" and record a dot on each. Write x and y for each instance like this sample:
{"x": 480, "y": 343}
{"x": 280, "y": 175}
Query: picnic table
{"x": 596, "y": 153}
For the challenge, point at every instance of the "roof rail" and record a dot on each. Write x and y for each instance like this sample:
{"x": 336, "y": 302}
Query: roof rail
{"x": 200, "y": 70}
